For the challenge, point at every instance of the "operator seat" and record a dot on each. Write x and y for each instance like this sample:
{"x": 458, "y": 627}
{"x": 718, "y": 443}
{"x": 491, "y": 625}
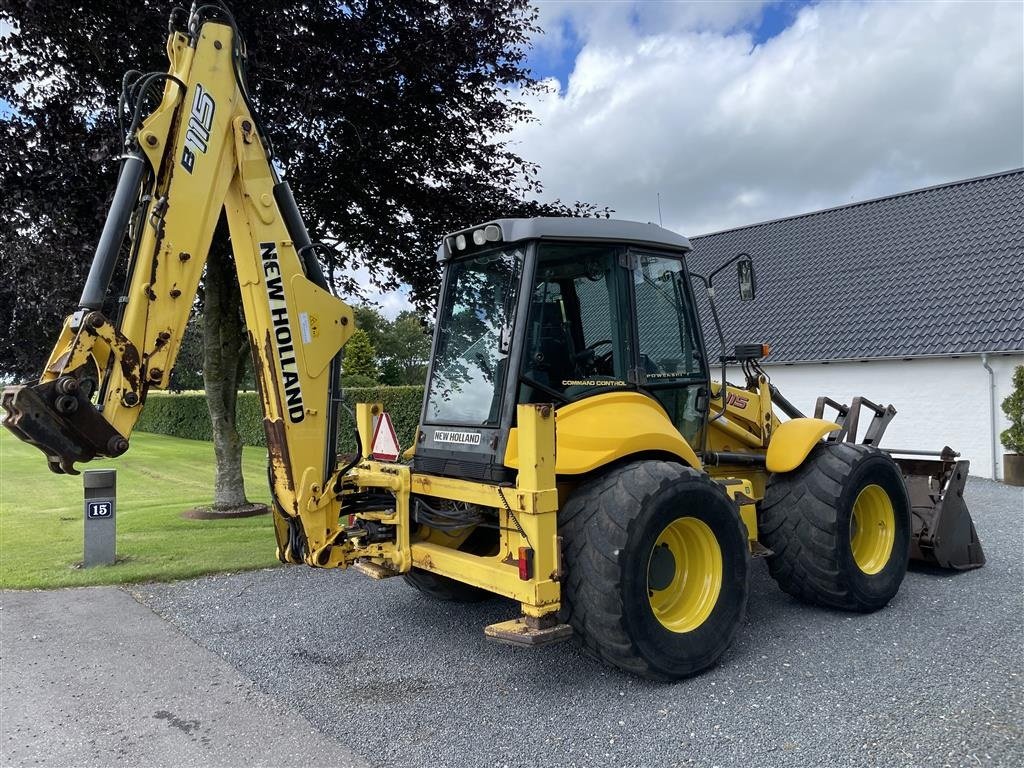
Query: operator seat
{"x": 551, "y": 355}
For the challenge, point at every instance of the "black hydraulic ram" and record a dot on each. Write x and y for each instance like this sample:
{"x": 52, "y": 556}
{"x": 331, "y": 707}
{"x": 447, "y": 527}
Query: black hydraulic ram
{"x": 783, "y": 404}
{"x": 133, "y": 169}
{"x": 300, "y": 236}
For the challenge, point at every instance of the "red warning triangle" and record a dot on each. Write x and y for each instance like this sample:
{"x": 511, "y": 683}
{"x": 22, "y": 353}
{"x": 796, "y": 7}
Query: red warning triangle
{"x": 385, "y": 441}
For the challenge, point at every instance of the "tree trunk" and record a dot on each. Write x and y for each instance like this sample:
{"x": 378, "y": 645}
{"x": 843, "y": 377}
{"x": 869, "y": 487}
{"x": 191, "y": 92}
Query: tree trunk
{"x": 224, "y": 355}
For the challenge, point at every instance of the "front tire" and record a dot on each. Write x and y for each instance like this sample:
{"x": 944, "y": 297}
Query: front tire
{"x": 839, "y": 528}
{"x": 657, "y": 560}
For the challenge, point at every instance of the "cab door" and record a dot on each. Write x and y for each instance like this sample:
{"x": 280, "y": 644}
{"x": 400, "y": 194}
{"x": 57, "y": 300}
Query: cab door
{"x": 670, "y": 363}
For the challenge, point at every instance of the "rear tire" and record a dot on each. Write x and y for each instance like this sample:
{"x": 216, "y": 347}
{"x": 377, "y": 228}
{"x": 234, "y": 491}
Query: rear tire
{"x": 839, "y": 527}
{"x": 645, "y": 590}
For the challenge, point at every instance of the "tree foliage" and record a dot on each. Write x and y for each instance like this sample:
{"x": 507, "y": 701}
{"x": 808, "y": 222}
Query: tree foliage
{"x": 401, "y": 346}
{"x": 360, "y": 358}
{"x": 384, "y": 116}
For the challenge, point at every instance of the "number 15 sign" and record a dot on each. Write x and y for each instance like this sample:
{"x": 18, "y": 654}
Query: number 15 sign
{"x": 100, "y": 510}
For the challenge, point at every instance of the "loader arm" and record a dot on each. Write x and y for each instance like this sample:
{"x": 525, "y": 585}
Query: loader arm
{"x": 200, "y": 153}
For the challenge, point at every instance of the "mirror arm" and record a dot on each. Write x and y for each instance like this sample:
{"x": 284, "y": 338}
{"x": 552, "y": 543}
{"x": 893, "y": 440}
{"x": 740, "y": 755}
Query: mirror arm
{"x": 733, "y": 260}
{"x": 718, "y": 328}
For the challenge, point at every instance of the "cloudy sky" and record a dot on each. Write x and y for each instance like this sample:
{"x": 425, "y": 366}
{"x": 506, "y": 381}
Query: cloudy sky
{"x": 738, "y": 112}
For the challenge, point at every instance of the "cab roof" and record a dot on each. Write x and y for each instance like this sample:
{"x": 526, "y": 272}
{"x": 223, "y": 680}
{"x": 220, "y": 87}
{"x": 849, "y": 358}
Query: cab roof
{"x": 570, "y": 228}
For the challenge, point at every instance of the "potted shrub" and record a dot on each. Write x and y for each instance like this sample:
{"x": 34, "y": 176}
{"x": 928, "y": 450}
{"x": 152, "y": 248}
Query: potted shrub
{"x": 1013, "y": 438}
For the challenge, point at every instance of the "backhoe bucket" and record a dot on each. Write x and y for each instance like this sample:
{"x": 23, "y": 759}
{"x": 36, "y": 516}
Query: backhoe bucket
{"x": 58, "y": 418}
{"x": 943, "y": 532}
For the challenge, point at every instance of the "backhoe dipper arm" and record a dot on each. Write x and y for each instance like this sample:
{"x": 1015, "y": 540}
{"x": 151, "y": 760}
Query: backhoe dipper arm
{"x": 198, "y": 153}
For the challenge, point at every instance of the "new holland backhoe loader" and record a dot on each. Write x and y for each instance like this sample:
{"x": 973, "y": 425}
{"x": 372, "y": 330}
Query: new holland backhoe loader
{"x": 577, "y": 452}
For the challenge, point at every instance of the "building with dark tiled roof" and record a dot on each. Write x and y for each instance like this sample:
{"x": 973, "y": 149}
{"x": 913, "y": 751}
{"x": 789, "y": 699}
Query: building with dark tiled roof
{"x": 915, "y": 299}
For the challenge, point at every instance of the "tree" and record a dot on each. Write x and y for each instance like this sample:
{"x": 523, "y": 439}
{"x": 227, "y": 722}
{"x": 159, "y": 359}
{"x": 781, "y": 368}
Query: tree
{"x": 401, "y": 346}
{"x": 225, "y": 351}
{"x": 372, "y": 322}
{"x": 188, "y": 372}
{"x": 384, "y": 115}
{"x": 405, "y": 349}
{"x": 360, "y": 358}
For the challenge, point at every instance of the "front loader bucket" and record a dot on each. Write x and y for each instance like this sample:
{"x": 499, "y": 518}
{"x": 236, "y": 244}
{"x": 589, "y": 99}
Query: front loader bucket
{"x": 943, "y": 532}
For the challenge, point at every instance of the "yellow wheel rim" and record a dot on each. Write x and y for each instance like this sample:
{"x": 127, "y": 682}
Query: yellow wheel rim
{"x": 684, "y": 574}
{"x": 872, "y": 529}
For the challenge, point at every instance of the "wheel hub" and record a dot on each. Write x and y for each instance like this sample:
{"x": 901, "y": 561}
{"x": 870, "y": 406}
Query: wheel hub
{"x": 662, "y": 568}
{"x": 684, "y": 574}
{"x": 872, "y": 529}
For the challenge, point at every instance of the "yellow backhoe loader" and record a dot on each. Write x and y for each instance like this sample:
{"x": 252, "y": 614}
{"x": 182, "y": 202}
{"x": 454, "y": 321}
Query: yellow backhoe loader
{"x": 577, "y": 452}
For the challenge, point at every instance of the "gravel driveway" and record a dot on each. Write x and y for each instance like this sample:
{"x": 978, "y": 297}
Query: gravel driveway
{"x": 934, "y": 679}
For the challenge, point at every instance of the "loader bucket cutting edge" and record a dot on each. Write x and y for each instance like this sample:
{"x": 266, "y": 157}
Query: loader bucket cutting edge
{"x": 943, "y": 532}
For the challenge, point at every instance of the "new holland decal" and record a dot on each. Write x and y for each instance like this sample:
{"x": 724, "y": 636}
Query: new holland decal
{"x": 282, "y": 333}
{"x": 460, "y": 438}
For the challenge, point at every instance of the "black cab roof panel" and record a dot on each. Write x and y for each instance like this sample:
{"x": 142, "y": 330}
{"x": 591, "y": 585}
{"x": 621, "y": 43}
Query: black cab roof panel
{"x": 564, "y": 228}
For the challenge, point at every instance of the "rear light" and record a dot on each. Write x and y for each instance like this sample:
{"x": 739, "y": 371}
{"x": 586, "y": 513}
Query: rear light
{"x": 525, "y": 563}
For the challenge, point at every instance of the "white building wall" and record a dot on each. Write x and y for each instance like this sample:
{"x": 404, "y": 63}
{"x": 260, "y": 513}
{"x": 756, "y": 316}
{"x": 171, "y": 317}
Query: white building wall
{"x": 939, "y": 401}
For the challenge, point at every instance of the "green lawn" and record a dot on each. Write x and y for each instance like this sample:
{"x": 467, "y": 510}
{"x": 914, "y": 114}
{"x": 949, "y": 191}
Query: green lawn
{"x": 41, "y": 516}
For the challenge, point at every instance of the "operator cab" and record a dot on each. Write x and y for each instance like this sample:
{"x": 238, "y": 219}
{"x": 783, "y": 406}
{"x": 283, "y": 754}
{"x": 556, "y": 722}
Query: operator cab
{"x": 555, "y": 310}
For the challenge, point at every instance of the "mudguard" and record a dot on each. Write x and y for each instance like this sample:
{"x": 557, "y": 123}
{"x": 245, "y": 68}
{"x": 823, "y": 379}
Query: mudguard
{"x": 793, "y": 440}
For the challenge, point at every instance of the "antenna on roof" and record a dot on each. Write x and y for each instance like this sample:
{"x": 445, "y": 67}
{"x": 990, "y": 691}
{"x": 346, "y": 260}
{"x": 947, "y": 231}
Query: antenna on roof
{"x": 659, "y": 210}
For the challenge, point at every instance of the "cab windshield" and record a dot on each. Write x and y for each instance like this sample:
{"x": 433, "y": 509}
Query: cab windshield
{"x": 474, "y": 338}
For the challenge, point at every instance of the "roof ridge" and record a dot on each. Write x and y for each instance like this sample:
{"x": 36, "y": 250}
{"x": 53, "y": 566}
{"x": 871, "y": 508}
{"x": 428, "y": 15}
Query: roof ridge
{"x": 869, "y": 201}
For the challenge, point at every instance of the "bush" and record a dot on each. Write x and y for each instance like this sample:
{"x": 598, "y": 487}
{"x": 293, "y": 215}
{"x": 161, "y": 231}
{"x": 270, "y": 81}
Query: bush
{"x": 357, "y": 381}
{"x": 185, "y": 415}
{"x": 1013, "y": 406}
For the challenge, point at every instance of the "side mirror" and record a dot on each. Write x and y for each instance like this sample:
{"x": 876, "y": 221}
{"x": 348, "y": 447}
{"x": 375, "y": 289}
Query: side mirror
{"x": 747, "y": 279}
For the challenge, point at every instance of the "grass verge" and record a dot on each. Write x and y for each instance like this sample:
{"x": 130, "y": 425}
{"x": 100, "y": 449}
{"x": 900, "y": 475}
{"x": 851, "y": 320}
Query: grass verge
{"x": 41, "y": 518}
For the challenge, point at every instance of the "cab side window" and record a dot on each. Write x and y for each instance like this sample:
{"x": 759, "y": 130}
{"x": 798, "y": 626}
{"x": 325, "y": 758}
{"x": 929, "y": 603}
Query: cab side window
{"x": 576, "y": 342}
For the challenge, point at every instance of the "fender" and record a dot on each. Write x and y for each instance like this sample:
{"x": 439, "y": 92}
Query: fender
{"x": 598, "y": 430}
{"x": 793, "y": 440}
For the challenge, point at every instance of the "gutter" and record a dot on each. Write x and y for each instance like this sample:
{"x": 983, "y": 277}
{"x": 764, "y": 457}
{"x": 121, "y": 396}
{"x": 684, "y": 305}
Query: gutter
{"x": 991, "y": 409}
{"x": 883, "y": 358}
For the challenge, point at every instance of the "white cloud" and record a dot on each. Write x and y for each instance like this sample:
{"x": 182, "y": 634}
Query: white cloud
{"x": 852, "y": 101}
{"x": 619, "y": 23}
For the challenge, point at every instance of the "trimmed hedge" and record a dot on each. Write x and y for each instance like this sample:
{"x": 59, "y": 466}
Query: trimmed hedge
{"x": 185, "y": 415}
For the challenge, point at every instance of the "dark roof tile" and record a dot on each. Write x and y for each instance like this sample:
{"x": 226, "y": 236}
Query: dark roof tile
{"x": 935, "y": 271}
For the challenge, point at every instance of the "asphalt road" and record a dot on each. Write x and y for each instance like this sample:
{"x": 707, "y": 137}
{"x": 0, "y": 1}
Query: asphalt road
{"x": 932, "y": 680}
{"x": 92, "y": 678}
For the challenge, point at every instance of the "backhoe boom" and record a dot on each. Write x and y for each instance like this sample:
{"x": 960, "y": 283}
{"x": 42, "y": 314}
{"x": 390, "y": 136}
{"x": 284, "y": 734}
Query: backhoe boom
{"x": 199, "y": 154}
